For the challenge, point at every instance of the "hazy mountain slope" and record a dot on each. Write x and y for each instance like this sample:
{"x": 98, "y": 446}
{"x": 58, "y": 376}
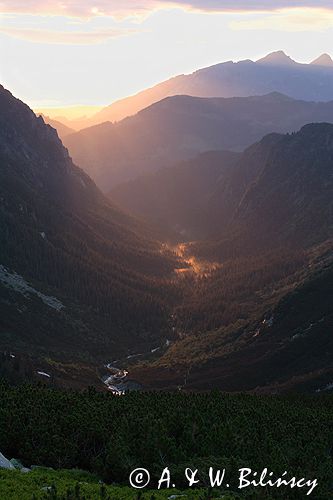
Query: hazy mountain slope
{"x": 61, "y": 238}
{"x": 174, "y": 198}
{"x": 180, "y": 127}
{"x": 279, "y": 190}
{"x": 289, "y": 201}
{"x": 293, "y": 195}
{"x": 275, "y": 72}
{"x": 61, "y": 128}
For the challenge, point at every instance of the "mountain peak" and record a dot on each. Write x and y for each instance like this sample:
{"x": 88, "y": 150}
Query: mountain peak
{"x": 279, "y": 96}
{"x": 323, "y": 60}
{"x": 278, "y": 58}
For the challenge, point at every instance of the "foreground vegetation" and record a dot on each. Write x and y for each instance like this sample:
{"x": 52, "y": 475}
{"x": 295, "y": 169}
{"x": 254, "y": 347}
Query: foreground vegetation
{"x": 110, "y": 436}
{"x": 44, "y": 484}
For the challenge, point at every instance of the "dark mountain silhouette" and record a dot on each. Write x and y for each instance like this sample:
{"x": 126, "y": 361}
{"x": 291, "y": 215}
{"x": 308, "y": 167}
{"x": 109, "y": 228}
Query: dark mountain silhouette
{"x": 275, "y": 72}
{"x": 78, "y": 278}
{"x": 180, "y": 127}
{"x": 279, "y": 194}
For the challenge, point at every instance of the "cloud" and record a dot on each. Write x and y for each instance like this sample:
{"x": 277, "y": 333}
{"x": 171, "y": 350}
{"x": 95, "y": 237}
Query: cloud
{"x": 251, "y": 6}
{"x": 81, "y": 9}
{"x": 125, "y": 8}
{"x": 65, "y": 37}
{"x": 292, "y": 20}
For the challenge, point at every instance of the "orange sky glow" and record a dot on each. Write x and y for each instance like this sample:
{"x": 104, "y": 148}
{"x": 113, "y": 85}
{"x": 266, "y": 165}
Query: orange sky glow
{"x": 60, "y": 55}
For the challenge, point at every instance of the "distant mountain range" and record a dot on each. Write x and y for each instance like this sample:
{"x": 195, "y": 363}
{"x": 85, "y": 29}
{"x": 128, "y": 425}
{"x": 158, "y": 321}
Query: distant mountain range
{"x": 180, "y": 127}
{"x": 274, "y": 73}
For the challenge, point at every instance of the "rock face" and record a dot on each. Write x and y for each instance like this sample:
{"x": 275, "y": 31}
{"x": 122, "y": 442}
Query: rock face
{"x": 4, "y": 463}
{"x": 19, "y": 466}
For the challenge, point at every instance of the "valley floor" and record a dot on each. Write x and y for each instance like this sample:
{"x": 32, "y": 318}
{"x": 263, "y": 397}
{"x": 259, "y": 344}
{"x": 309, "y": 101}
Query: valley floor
{"x": 195, "y": 266}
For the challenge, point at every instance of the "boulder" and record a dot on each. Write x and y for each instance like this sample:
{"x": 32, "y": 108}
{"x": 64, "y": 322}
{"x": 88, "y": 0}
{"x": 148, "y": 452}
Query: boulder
{"x": 18, "y": 465}
{"x": 5, "y": 464}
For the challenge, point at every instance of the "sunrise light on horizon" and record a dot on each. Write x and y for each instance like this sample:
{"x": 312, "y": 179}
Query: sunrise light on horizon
{"x": 64, "y": 55}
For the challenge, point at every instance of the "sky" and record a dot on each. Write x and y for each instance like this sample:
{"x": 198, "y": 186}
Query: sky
{"x": 64, "y": 53}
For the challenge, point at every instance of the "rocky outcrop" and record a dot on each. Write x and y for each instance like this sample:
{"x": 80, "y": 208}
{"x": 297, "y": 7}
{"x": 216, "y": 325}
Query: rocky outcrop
{"x": 5, "y": 463}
